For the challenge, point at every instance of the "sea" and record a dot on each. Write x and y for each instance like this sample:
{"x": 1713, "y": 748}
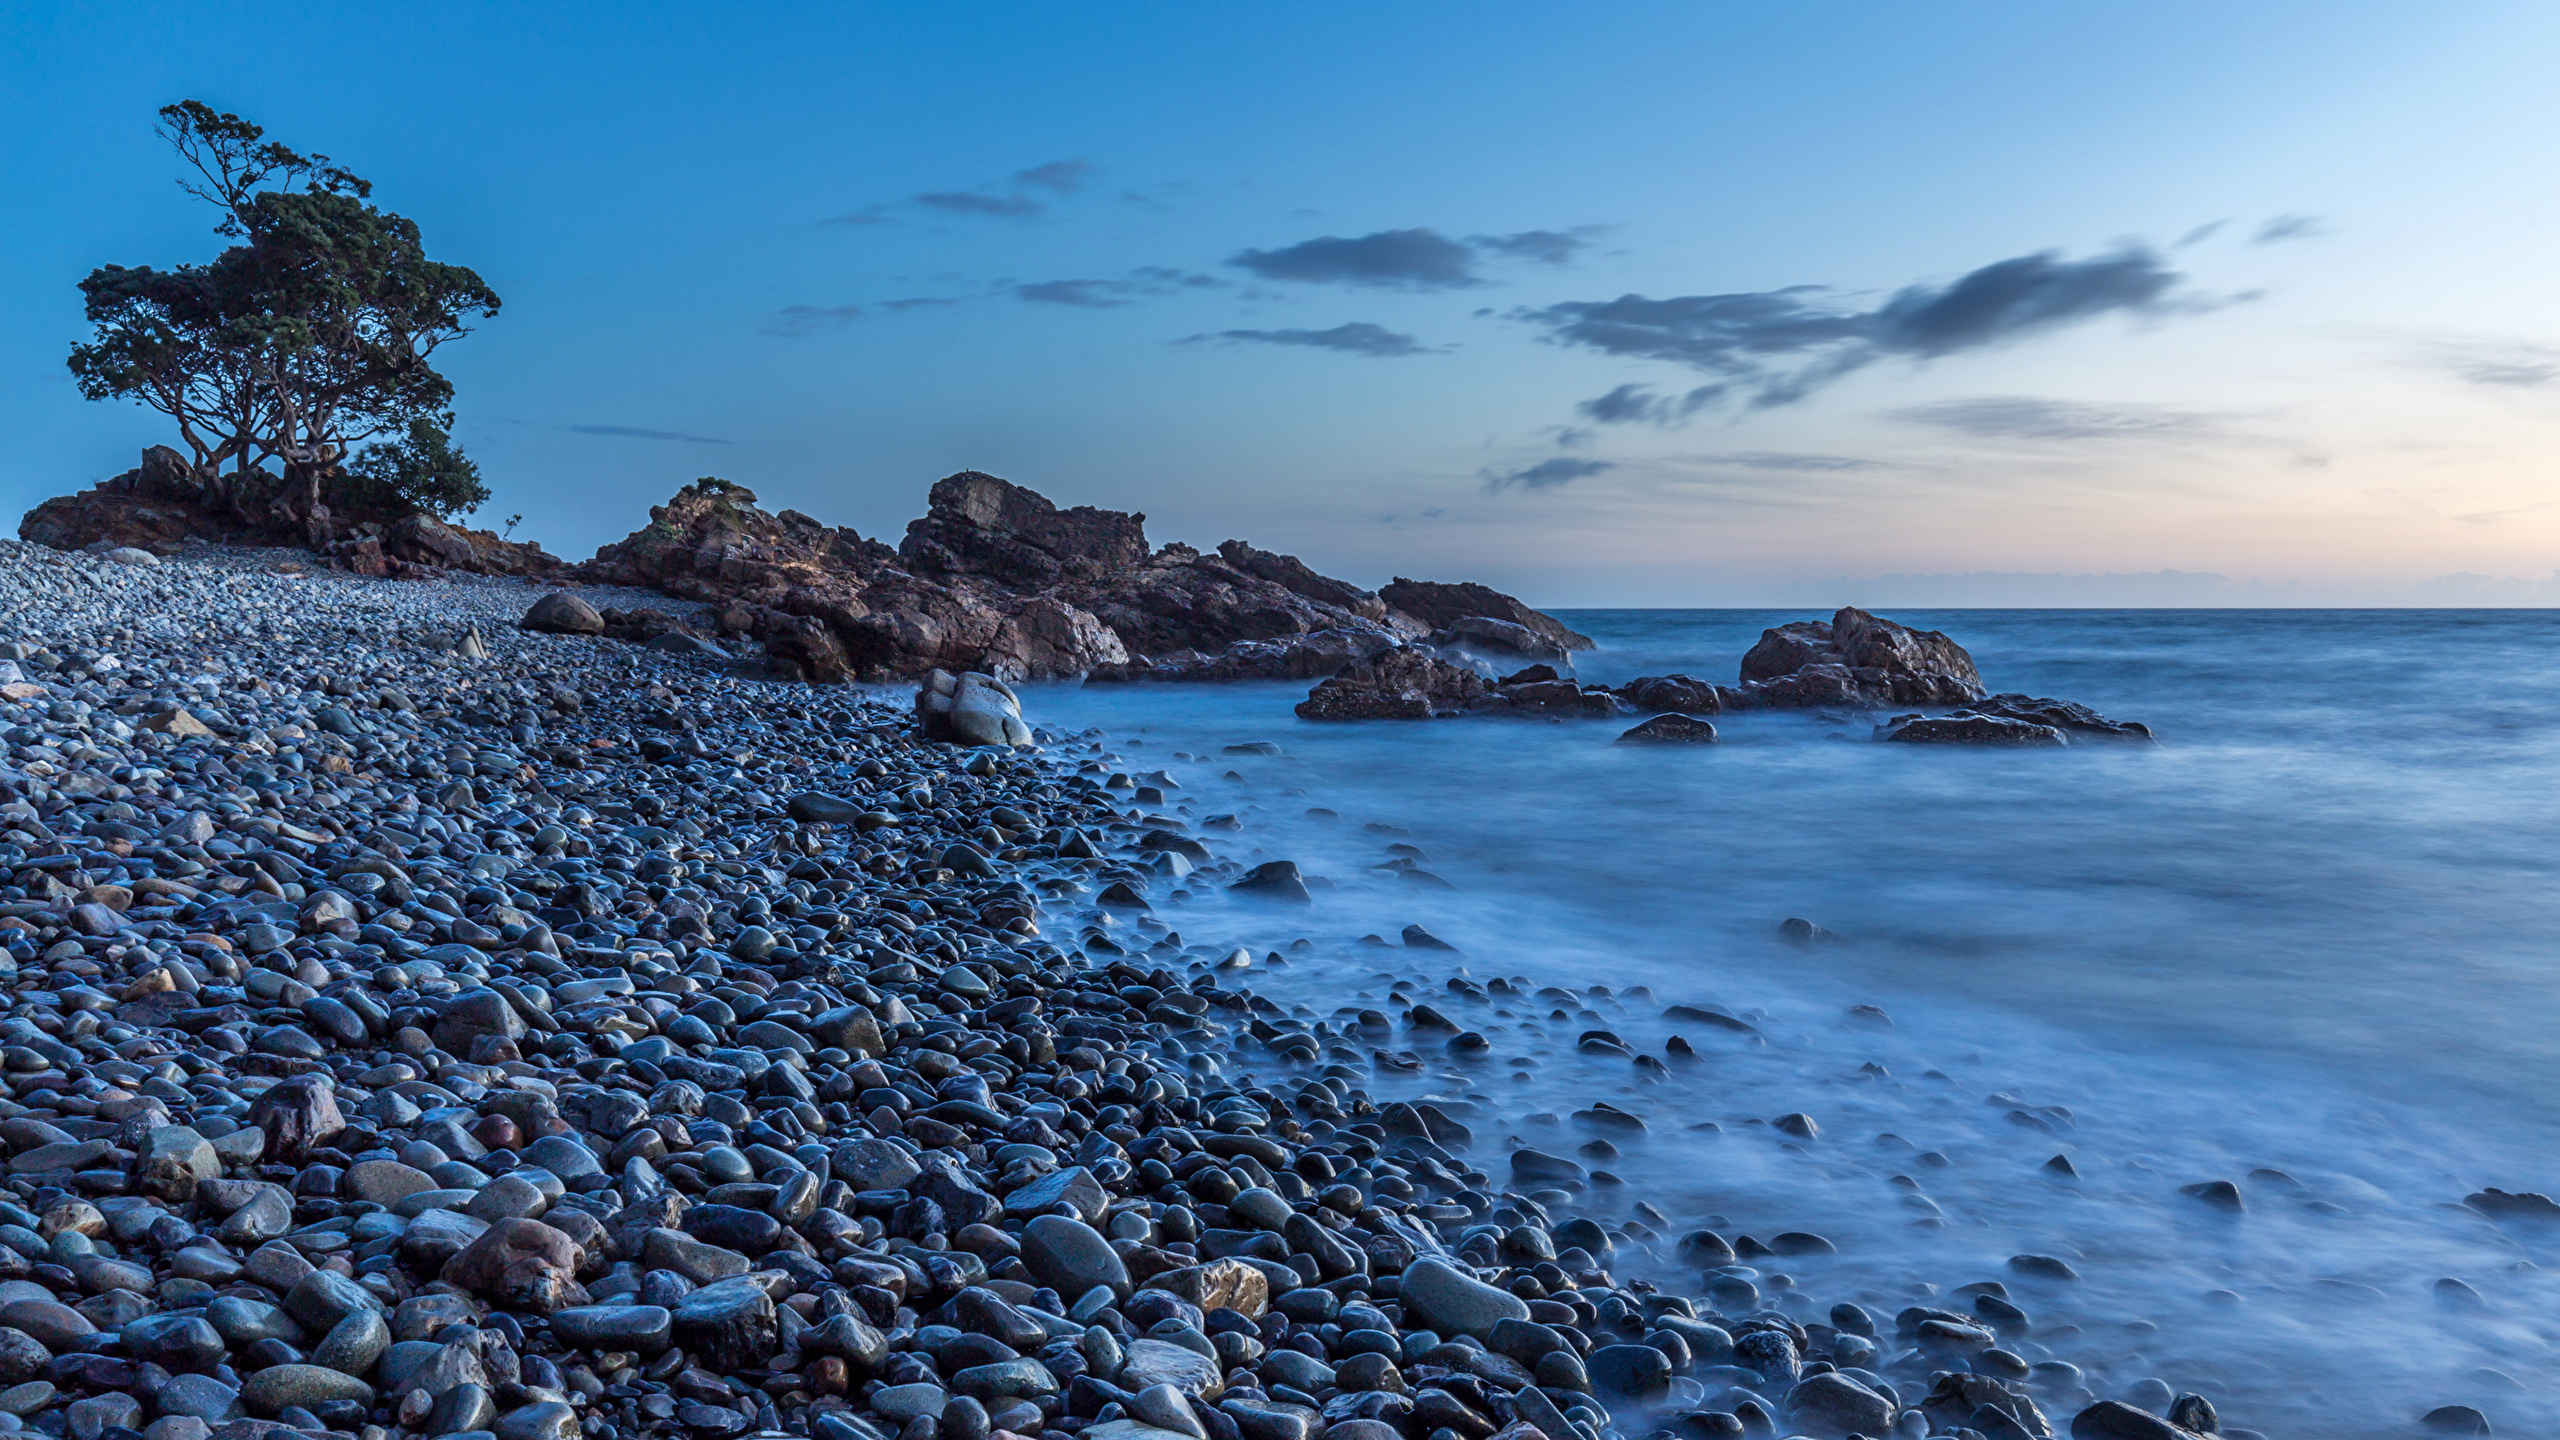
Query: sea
{"x": 2307, "y": 944}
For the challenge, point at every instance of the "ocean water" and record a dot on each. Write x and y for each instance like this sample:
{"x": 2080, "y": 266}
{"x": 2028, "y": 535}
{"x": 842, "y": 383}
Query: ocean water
{"x": 2309, "y": 944}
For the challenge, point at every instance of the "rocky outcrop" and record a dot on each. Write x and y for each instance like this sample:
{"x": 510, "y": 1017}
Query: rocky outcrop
{"x": 994, "y": 578}
{"x": 1441, "y": 606}
{"x": 1966, "y": 728}
{"x": 1407, "y": 684}
{"x": 163, "y": 505}
{"x": 1858, "y": 660}
{"x": 2077, "y": 721}
{"x": 1679, "y": 695}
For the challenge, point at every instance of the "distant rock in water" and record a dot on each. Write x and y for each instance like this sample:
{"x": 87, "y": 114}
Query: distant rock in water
{"x": 1671, "y": 730}
{"x": 1969, "y": 729}
{"x": 1856, "y": 659}
{"x": 2063, "y": 715}
{"x": 1406, "y": 684}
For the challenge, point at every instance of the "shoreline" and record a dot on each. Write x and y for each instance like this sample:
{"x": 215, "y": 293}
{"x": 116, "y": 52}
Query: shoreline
{"x": 1397, "y": 1183}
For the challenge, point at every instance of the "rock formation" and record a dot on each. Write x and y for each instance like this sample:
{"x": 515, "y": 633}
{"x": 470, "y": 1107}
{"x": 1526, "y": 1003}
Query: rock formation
{"x": 994, "y": 578}
{"x": 163, "y": 505}
{"x": 1857, "y": 659}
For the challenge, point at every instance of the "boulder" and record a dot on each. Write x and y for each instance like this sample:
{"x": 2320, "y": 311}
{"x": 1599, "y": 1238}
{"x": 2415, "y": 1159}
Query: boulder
{"x": 523, "y": 1264}
{"x": 971, "y": 709}
{"x": 1439, "y": 606}
{"x": 1406, "y": 684}
{"x": 1673, "y": 694}
{"x": 2078, "y": 721}
{"x": 561, "y": 613}
{"x": 1671, "y": 730}
{"x": 1968, "y": 729}
{"x": 1501, "y": 637}
{"x": 1857, "y": 659}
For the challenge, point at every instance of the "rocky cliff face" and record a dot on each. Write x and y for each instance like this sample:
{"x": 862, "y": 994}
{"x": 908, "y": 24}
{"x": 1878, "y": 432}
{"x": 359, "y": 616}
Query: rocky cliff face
{"x": 995, "y": 578}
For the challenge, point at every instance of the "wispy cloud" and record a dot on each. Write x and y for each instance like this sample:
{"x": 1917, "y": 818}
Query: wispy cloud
{"x": 2290, "y": 227}
{"x": 1419, "y": 259}
{"x": 1547, "y": 247}
{"x": 1356, "y": 338}
{"x": 1545, "y": 475}
{"x": 798, "y": 320}
{"x": 1012, "y": 199}
{"x": 973, "y": 202}
{"x": 2028, "y": 417}
{"x": 1634, "y": 404}
{"x": 1791, "y": 461}
{"x": 635, "y": 432}
{"x": 1089, "y": 294}
{"x": 2498, "y": 364}
{"x": 1778, "y": 346}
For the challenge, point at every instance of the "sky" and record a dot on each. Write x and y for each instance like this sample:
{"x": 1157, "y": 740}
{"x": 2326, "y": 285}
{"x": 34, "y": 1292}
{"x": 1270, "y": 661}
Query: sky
{"x": 1636, "y": 304}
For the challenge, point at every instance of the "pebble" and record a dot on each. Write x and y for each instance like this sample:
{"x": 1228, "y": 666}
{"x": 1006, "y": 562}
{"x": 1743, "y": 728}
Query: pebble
{"x": 419, "y": 1024}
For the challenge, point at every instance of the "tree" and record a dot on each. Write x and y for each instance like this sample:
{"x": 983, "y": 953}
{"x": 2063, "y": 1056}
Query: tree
{"x": 425, "y": 471}
{"x": 310, "y": 335}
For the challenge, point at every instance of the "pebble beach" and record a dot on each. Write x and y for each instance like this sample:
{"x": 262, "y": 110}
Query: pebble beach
{"x": 425, "y": 1028}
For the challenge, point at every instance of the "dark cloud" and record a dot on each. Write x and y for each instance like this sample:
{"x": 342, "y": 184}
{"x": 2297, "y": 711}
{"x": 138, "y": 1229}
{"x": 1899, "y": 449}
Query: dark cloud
{"x": 1088, "y": 294}
{"x": 1545, "y": 475}
{"x": 2026, "y": 417}
{"x": 810, "y": 319}
{"x": 1550, "y": 247}
{"x": 1066, "y": 177}
{"x": 1356, "y": 338}
{"x": 634, "y": 432}
{"x": 1642, "y": 405}
{"x": 2290, "y": 227}
{"x": 972, "y": 202}
{"x": 1781, "y": 345}
{"x": 1419, "y": 259}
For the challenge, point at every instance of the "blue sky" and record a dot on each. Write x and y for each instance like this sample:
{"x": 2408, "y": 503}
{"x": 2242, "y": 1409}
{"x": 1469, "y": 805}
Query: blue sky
{"x": 1652, "y": 304}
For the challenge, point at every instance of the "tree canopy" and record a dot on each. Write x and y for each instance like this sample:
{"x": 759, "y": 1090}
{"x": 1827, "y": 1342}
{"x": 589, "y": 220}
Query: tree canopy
{"x": 311, "y": 334}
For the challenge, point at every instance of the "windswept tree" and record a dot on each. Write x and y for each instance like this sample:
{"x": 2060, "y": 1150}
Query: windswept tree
{"x": 312, "y": 333}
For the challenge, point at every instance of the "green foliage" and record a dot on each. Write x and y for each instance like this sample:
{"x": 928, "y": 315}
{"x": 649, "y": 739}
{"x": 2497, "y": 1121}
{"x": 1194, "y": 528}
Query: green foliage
{"x": 713, "y": 487}
{"x": 425, "y": 471}
{"x": 310, "y": 335}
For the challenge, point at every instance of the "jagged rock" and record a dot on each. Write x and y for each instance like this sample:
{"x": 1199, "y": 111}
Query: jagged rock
{"x": 1550, "y": 697}
{"x": 561, "y": 613}
{"x": 1404, "y": 684}
{"x": 1857, "y": 659}
{"x": 1439, "y": 606}
{"x": 1505, "y": 637}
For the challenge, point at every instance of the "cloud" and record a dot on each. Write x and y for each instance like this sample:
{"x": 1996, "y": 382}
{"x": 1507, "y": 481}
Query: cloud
{"x": 1782, "y": 345}
{"x": 2200, "y": 234}
{"x": 1059, "y": 178}
{"x": 1356, "y": 338}
{"x": 1087, "y": 294}
{"x": 971, "y": 202}
{"x": 1421, "y": 259}
{"x": 1792, "y": 461}
{"x": 634, "y": 432}
{"x": 1545, "y": 475}
{"x": 2290, "y": 227}
{"x": 1633, "y": 404}
{"x": 2499, "y": 364}
{"x": 796, "y": 320}
{"x": 1548, "y": 247}
{"x": 2026, "y": 417}
{"x": 1066, "y": 177}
